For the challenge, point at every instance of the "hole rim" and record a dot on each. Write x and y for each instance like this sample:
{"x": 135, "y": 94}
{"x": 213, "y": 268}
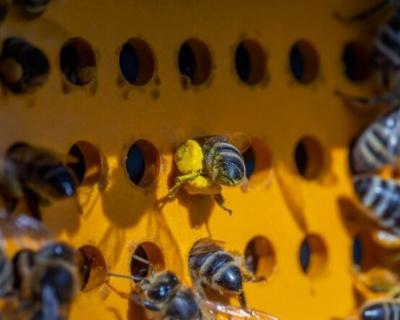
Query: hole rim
{"x": 86, "y": 53}
{"x": 203, "y": 61}
{"x": 358, "y": 51}
{"x": 150, "y": 252}
{"x": 309, "y": 158}
{"x": 150, "y": 176}
{"x": 317, "y": 257}
{"x": 91, "y": 281}
{"x": 146, "y": 67}
{"x": 253, "y": 51}
{"x": 304, "y": 55}
{"x": 265, "y": 250}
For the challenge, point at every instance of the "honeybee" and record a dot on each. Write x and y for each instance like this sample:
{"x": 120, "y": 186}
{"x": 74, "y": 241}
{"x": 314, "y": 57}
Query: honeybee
{"x": 212, "y": 266}
{"x": 381, "y": 198}
{"x": 380, "y": 310}
{"x": 37, "y": 174}
{"x": 378, "y": 145}
{"x": 23, "y": 67}
{"x": 206, "y": 165}
{"x": 32, "y": 8}
{"x": 163, "y": 294}
{"x": 386, "y": 57}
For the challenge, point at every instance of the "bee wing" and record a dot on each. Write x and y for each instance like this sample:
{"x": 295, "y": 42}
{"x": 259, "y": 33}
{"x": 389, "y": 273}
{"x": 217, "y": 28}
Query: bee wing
{"x": 291, "y": 188}
{"x": 214, "y": 308}
{"x": 240, "y": 140}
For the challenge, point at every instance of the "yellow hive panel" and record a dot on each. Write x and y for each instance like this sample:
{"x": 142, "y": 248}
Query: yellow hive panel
{"x": 112, "y": 114}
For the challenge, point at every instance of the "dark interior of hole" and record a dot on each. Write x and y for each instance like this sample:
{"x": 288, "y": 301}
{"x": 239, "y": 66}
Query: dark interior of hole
{"x": 187, "y": 61}
{"x": 77, "y": 163}
{"x": 129, "y": 63}
{"x": 357, "y": 251}
{"x": 135, "y": 164}
{"x": 249, "y": 161}
{"x": 297, "y": 63}
{"x": 243, "y": 62}
{"x": 305, "y": 255}
{"x": 252, "y": 257}
{"x": 85, "y": 268}
{"x": 356, "y": 66}
{"x": 301, "y": 158}
{"x": 3, "y": 9}
{"x": 139, "y": 269}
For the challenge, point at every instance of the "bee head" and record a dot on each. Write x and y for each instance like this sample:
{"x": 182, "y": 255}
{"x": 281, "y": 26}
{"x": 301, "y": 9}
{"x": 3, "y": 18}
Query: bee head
{"x": 163, "y": 286}
{"x": 57, "y": 181}
{"x": 57, "y": 250}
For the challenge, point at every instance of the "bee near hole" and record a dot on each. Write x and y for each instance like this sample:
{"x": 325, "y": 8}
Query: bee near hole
{"x": 309, "y": 158}
{"x": 136, "y": 62}
{"x": 142, "y": 163}
{"x": 23, "y": 67}
{"x": 356, "y": 61}
{"x": 78, "y": 61}
{"x": 250, "y": 62}
{"x": 304, "y": 62}
{"x": 260, "y": 257}
{"x": 195, "y": 61}
{"x": 149, "y": 257}
{"x": 92, "y": 267}
{"x": 86, "y": 162}
{"x": 313, "y": 255}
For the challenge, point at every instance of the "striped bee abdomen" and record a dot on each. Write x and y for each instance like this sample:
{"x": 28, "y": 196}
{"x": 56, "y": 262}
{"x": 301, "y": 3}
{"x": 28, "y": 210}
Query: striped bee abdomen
{"x": 215, "y": 268}
{"x": 225, "y": 164}
{"x": 381, "y": 198}
{"x": 381, "y": 311}
{"x": 378, "y": 145}
{"x": 387, "y": 44}
{"x": 183, "y": 306}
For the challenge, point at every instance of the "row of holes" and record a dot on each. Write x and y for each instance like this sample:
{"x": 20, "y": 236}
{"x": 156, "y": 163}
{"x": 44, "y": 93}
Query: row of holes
{"x": 142, "y": 161}
{"x": 137, "y": 63}
{"x": 259, "y": 257}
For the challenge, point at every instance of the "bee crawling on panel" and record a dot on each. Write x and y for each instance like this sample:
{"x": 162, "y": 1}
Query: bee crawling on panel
{"x": 378, "y": 145}
{"x": 206, "y": 165}
{"x": 386, "y": 56}
{"x": 166, "y": 297}
{"x": 213, "y": 267}
{"x": 36, "y": 174}
{"x": 23, "y": 67}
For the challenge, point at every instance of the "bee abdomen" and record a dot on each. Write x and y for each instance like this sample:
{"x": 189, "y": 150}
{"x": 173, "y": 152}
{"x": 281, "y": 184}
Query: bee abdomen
{"x": 378, "y": 145}
{"x": 183, "y": 306}
{"x": 381, "y": 311}
{"x": 388, "y": 41}
{"x": 381, "y": 197}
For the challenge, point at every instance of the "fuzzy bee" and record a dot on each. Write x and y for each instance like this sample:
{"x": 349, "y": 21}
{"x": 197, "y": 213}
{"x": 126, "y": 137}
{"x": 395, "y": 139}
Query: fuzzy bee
{"x": 378, "y": 145}
{"x": 213, "y": 267}
{"x": 381, "y": 198}
{"x": 23, "y": 67}
{"x": 163, "y": 294}
{"x": 38, "y": 175}
{"x": 32, "y": 8}
{"x": 386, "y": 56}
{"x": 381, "y": 310}
{"x": 206, "y": 165}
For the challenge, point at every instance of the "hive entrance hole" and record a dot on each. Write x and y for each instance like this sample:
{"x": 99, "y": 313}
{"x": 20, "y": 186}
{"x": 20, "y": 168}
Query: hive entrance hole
{"x": 304, "y": 61}
{"x": 313, "y": 255}
{"x": 250, "y": 62}
{"x": 150, "y": 257}
{"x": 356, "y": 61}
{"x": 92, "y": 267}
{"x": 309, "y": 158}
{"x": 260, "y": 257}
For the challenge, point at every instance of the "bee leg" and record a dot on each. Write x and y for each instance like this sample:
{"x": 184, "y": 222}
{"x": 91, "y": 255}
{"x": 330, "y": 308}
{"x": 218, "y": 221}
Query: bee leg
{"x": 179, "y": 181}
{"x": 242, "y": 300}
{"x": 366, "y": 14}
{"x": 33, "y": 203}
{"x": 247, "y": 274}
{"x": 368, "y": 101}
{"x": 221, "y": 202}
{"x": 144, "y": 303}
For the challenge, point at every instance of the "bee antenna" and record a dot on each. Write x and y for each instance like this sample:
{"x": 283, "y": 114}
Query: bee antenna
{"x": 123, "y": 276}
{"x": 142, "y": 260}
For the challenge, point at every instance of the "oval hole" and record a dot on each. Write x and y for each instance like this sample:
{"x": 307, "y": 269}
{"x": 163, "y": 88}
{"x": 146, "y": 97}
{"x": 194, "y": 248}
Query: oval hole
{"x": 142, "y": 163}
{"x": 313, "y": 255}
{"x": 309, "y": 158}
{"x": 250, "y": 62}
{"x": 86, "y": 161}
{"x": 149, "y": 252}
{"x": 136, "y": 62}
{"x": 92, "y": 267}
{"x": 78, "y": 61}
{"x": 194, "y": 61}
{"x": 356, "y": 61}
{"x": 260, "y": 257}
{"x": 304, "y": 61}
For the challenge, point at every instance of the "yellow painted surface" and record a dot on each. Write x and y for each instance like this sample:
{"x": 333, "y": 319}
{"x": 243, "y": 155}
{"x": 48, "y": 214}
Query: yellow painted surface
{"x": 111, "y": 114}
